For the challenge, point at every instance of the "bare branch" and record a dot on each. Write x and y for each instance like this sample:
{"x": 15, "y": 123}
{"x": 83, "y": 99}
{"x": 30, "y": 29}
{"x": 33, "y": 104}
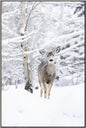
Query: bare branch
{"x": 28, "y": 18}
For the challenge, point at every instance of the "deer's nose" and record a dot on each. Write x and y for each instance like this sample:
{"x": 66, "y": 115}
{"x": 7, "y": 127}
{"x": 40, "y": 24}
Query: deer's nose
{"x": 51, "y": 60}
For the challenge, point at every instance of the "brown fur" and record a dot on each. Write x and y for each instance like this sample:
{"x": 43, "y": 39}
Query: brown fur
{"x": 46, "y": 75}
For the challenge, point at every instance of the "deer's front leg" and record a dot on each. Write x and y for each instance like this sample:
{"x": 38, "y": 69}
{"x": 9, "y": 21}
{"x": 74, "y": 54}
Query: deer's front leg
{"x": 49, "y": 89}
{"x": 45, "y": 91}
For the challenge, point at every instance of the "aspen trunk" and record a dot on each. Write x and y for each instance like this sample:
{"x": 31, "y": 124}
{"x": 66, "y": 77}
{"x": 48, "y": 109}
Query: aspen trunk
{"x": 24, "y": 47}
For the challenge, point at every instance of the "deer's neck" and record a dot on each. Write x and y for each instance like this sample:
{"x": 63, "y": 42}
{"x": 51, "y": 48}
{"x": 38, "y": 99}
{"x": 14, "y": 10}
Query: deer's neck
{"x": 50, "y": 69}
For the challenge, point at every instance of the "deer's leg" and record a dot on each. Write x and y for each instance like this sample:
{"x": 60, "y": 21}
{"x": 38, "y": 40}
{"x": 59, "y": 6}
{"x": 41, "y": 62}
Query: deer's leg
{"x": 41, "y": 92}
{"x": 50, "y": 86}
{"x": 41, "y": 89}
{"x": 45, "y": 91}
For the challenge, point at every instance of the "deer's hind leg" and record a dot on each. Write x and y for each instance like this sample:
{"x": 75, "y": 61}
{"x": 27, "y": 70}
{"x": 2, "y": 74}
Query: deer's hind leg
{"x": 41, "y": 92}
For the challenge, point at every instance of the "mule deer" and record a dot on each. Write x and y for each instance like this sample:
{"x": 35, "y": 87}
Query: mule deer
{"x": 46, "y": 74}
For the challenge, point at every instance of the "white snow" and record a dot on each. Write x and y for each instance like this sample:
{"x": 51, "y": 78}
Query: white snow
{"x": 46, "y": 31}
{"x": 64, "y": 108}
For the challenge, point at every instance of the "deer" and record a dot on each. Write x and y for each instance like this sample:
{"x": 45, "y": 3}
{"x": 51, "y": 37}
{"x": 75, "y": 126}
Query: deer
{"x": 47, "y": 74}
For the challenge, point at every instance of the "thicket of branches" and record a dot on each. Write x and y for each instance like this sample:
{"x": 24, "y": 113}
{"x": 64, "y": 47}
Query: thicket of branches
{"x": 28, "y": 28}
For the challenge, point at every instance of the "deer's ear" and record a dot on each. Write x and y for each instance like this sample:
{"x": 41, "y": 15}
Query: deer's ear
{"x": 42, "y": 52}
{"x": 58, "y": 49}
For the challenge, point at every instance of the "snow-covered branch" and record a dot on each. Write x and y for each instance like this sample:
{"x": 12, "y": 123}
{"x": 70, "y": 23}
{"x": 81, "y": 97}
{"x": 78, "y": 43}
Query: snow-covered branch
{"x": 7, "y": 14}
{"x": 19, "y": 38}
{"x": 60, "y": 38}
{"x": 72, "y": 47}
{"x": 36, "y": 50}
{"x": 7, "y": 29}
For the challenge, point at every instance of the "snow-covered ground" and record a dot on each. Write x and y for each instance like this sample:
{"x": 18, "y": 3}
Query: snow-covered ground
{"x": 64, "y": 27}
{"x": 64, "y": 108}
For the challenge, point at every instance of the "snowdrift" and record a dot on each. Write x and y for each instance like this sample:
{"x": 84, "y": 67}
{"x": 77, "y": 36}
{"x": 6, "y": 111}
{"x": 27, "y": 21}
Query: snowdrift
{"x": 65, "y": 107}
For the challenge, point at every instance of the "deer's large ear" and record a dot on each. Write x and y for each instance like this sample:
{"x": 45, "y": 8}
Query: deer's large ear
{"x": 58, "y": 49}
{"x": 42, "y": 52}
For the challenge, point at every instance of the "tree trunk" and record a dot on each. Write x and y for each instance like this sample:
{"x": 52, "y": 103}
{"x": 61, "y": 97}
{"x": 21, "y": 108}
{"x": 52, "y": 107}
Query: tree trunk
{"x": 24, "y": 47}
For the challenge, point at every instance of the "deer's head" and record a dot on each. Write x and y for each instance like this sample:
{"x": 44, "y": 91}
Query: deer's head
{"x": 50, "y": 56}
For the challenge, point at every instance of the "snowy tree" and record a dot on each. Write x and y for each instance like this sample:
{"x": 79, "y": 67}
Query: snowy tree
{"x": 32, "y": 29}
{"x": 24, "y": 45}
{"x": 29, "y": 31}
{"x": 23, "y": 40}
